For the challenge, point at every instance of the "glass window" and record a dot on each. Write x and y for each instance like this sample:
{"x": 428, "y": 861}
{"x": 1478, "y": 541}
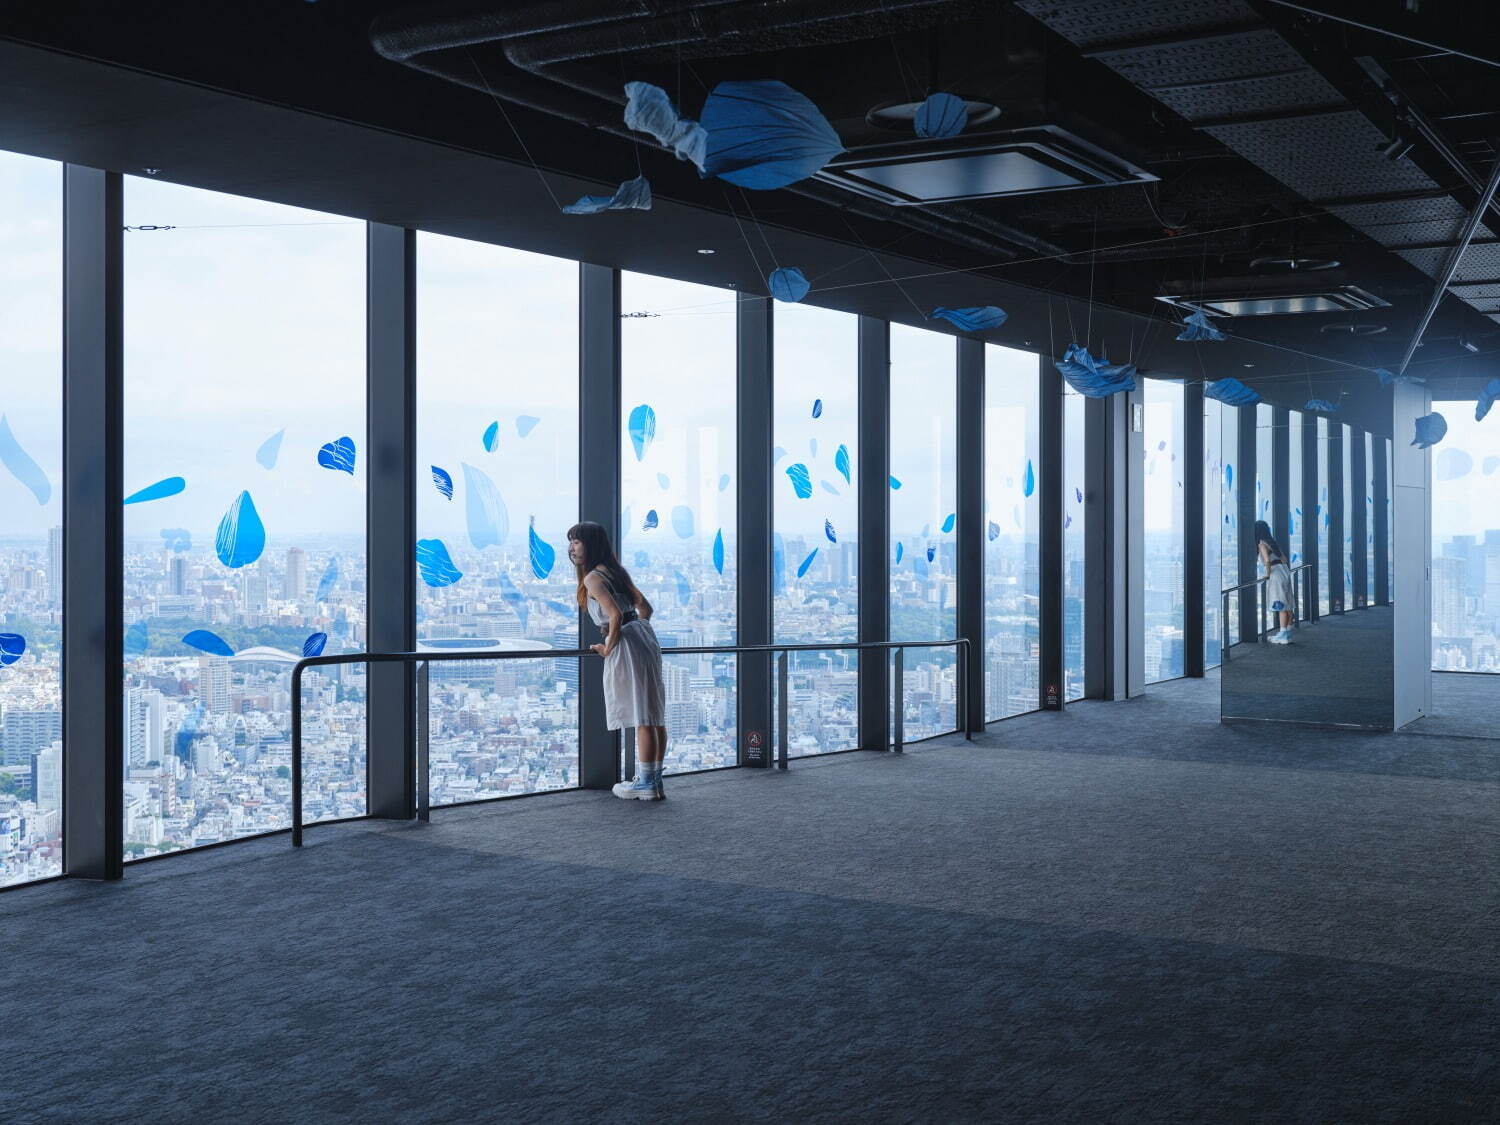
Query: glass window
{"x": 1265, "y": 462}
{"x": 1466, "y": 544}
{"x": 245, "y": 544}
{"x": 1012, "y": 575}
{"x": 1294, "y": 491}
{"x": 1390, "y": 523}
{"x": 1347, "y": 555}
{"x": 497, "y": 490}
{"x": 677, "y": 379}
{"x": 1370, "y": 446}
{"x": 1229, "y": 526}
{"x": 31, "y": 748}
{"x": 924, "y": 421}
{"x": 1213, "y": 521}
{"x": 816, "y": 426}
{"x": 1074, "y": 526}
{"x": 1164, "y": 531}
{"x": 1327, "y": 557}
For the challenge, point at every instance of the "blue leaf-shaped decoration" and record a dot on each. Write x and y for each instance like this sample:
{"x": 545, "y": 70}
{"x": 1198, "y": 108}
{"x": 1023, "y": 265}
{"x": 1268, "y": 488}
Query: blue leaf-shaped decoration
{"x": 241, "y": 537}
{"x": 513, "y": 597}
{"x": 651, "y": 521}
{"x": 817, "y": 409}
{"x": 778, "y": 564}
{"x": 211, "y": 643}
{"x": 801, "y": 480}
{"x": 1387, "y": 378}
{"x": 314, "y": 644}
{"x": 543, "y": 554}
{"x": 489, "y": 522}
{"x": 491, "y": 437}
{"x": 684, "y": 588}
{"x": 1490, "y": 465}
{"x": 682, "y": 521}
{"x": 525, "y": 423}
{"x": 560, "y": 607}
{"x": 21, "y": 466}
{"x": 1430, "y": 430}
{"x": 777, "y": 454}
{"x": 807, "y": 562}
{"x": 642, "y": 429}
{"x": 168, "y": 486}
{"x": 176, "y": 539}
{"x": 434, "y": 563}
{"x": 443, "y": 482}
{"x": 828, "y": 531}
{"x": 931, "y": 553}
{"x": 764, "y": 135}
{"x": 1487, "y": 396}
{"x": 841, "y": 463}
{"x": 1028, "y": 482}
{"x": 980, "y": 318}
{"x": 664, "y": 480}
{"x": 269, "y": 450}
{"x": 1451, "y": 464}
{"x": 723, "y": 482}
{"x": 1228, "y": 476}
{"x": 1094, "y": 377}
{"x": 1199, "y": 330}
{"x": 1320, "y": 405}
{"x": 648, "y": 109}
{"x": 632, "y": 195}
{"x": 137, "y": 639}
{"x": 949, "y": 522}
{"x": 900, "y": 550}
{"x": 895, "y": 484}
{"x": 12, "y": 648}
{"x": 718, "y": 555}
{"x": 338, "y": 455}
{"x": 1231, "y": 392}
{"x": 993, "y": 531}
{"x": 1068, "y": 522}
{"x": 941, "y": 116}
{"x": 812, "y": 448}
{"x": 788, "y": 284}
{"x": 642, "y": 559}
{"x": 1078, "y": 494}
{"x": 329, "y": 580}
{"x": 828, "y": 488}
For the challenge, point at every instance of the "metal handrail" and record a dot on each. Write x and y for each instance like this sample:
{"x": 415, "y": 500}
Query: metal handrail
{"x": 423, "y": 659}
{"x": 1257, "y": 584}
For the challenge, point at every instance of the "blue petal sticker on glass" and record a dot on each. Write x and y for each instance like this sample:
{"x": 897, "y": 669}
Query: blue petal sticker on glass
{"x": 993, "y": 531}
{"x": 169, "y": 486}
{"x": 817, "y": 410}
{"x": 515, "y": 599}
{"x": 807, "y": 562}
{"x": 949, "y": 522}
{"x": 1028, "y": 482}
{"x": 723, "y": 482}
{"x": 211, "y": 643}
{"x": 895, "y": 484}
{"x": 434, "y": 564}
{"x": 489, "y": 522}
{"x": 443, "y": 482}
{"x": 21, "y": 466}
{"x": 828, "y": 531}
{"x": 642, "y": 429}
{"x": 491, "y": 437}
{"x": 682, "y": 521}
{"x": 718, "y": 553}
{"x": 651, "y": 521}
{"x": 12, "y": 648}
{"x": 801, "y": 480}
{"x": 664, "y": 480}
{"x": 543, "y": 554}
{"x": 338, "y": 455}
{"x": 841, "y": 463}
{"x": 314, "y": 644}
{"x": 269, "y": 450}
{"x": 176, "y": 539}
{"x": 329, "y": 580}
{"x": 525, "y": 423}
{"x": 241, "y": 537}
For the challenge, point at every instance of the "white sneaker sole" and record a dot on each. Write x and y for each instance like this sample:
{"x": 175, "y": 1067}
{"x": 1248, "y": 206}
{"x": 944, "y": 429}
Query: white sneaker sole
{"x": 625, "y": 793}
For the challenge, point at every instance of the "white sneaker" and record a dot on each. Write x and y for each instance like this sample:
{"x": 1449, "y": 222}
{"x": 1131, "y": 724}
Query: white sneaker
{"x": 641, "y": 789}
{"x": 1282, "y": 638}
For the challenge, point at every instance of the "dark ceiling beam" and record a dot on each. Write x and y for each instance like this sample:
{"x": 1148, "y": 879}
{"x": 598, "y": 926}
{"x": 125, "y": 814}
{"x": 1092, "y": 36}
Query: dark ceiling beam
{"x": 1130, "y": 46}
{"x": 1365, "y": 22}
{"x": 1265, "y": 118}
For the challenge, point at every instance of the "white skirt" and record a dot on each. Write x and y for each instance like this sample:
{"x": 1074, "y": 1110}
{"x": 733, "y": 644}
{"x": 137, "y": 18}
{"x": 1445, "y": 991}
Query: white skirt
{"x": 1279, "y": 594}
{"x": 634, "y": 695}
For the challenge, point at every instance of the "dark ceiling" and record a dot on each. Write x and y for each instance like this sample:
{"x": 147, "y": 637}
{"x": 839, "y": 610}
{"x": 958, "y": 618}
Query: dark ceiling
{"x": 1261, "y": 123}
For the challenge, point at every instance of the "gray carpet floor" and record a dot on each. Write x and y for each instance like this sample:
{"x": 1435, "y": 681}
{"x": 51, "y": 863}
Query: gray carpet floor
{"x": 1127, "y": 912}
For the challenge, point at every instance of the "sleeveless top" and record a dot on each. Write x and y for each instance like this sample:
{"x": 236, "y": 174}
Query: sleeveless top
{"x": 622, "y": 600}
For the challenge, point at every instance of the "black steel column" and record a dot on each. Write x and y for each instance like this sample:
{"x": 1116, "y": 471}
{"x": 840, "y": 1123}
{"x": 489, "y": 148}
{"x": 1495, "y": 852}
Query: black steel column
{"x": 93, "y": 523}
{"x": 971, "y": 527}
{"x": 1334, "y": 532}
{"x": 1359, "y": 520}
{"x": 1194, "y": 472}
{"x": 1382, "y": 514}
{"x": 1245, "y": 517}
{"x": 391, "y": 515}
{"x": 1306, "y": 494}
{"x": 874, "y": 530}
{"x": 598, "y": 493}
{"x": 1050, "y": 437}
{"x": 1282, "y": 489}
{"x": 756, "y": 398}
{"x": 1106, "y": 547}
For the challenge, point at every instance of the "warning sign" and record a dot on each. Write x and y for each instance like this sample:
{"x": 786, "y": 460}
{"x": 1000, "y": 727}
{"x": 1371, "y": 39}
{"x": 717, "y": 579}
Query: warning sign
{"x": 755, "y": 748}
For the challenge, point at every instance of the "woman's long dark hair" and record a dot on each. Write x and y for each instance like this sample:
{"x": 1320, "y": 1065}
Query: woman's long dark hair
{"x": 597, "y": 552}
{"x": 1263, "y": 535}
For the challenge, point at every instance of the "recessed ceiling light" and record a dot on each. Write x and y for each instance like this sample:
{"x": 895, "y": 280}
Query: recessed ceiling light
{"x": 1247, "y": 365}
{"x": 150, "y": 171}
{"x": 705, "y": 251}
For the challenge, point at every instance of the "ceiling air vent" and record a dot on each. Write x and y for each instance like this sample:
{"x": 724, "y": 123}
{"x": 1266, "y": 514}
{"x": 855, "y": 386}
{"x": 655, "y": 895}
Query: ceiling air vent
{"x": 1006, "y": 162}
{"x": 1322, "y": 292}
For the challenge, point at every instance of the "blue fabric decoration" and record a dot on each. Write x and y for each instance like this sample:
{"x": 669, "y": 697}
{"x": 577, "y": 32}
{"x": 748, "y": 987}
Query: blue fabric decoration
{"x": 632, "y": 195}
{"x": 682, "y": 521}
{"x": 170, "y": 486}
{"x": 241, "y": 537}
{"x": 21, "y": 466}
{"x": 12, "y": 648}
{"x": 443, "y": 482}
{"x": 718, "y": 551}
{"x": 1430, "y": 430}
{"x": 515, "y": 599}
{"x": 651, "y": 522}
{"x": 895, "y": 484}
{"x": 525, "y": 423}
{"x": 491, "y": 437}
{"x": 994, "y": 531}
{"x": 329, "y": 580}
{"x": 900, "y": 550}
{"x": 980, "y": 318}
{"x": 208, "y": 642}
{"x": 489, "y": 522}
{"x": 828, "y": 488}
{"x": 664, "y": 480}
{"x": 807, "y": 562}
{"x": 841, "y": 463}
{"x": 1094, "y": 378}
{"x": 543, "y": 554}
{"x": 828, "y": 531}
{"x": 1487, "y": 397}
{"x": 1452, "y": 464}
{"x": 642, "y": 429}
{"x": 649, "y": 110}
{"x": 949, "y": 522}
{"x": 1231, "y": 392}
{"x": 941, "y": 116}
{"x": 1386, "y": 378}
{"x": 1228, "y": 476}
{"x": 269, "y": 450}
{"x": 176, "y": 539}
{"x": 1028, "y": 483}
{"x": 931, "y": 553}
{"x": 1199, "y": 329}
{"x": 1278, "y": 605}
{"x": 764, "y": 135}
{"x": 1491, "y": 464}
{"x": 788, "y": 284}
{"x": 314, "y": 644}
{"x": 338, "y": 455}
{"x": 1321, "y": 405}
{"x": 1078, "y": 494}
{"x": 817, "y": 412}
{"x": 801, "y": 480}
{"x": 137, "y": 639}
{"x": 434, "y": 564}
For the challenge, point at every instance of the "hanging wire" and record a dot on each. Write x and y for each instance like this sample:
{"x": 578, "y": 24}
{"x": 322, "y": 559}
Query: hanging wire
{"x": 535, "y": 167}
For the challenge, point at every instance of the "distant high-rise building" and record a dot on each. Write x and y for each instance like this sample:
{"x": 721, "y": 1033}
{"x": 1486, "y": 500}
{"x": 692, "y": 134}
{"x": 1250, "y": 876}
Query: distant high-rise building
{"x": 253, "y": 590}
{"x": 566, "y": 669}
{"x": 143, "y": 726}
{"x": 213, "y": 683}
{"x": 1449, "y": 578}
{"x": 46, "y": 776}
{"x": 177, "y": 575}
{"x": 294, "y": 581}
{"x": 55, "y": 565}
{"x": 25, "y": 732}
